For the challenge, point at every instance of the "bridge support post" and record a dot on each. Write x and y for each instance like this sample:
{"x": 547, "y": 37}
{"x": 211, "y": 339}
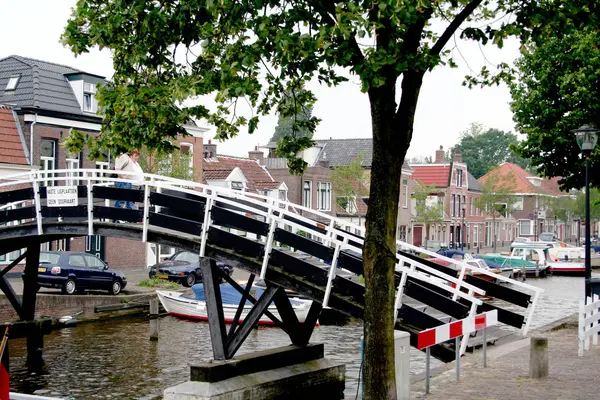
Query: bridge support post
{"x": 35, "y": 337}
{"x": 154, "y": 319}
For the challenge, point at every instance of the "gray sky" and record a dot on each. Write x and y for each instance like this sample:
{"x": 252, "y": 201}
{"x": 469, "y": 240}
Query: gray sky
{"x": 32, "y": 28}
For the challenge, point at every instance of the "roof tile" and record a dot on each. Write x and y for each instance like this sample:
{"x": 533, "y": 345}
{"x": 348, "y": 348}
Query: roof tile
{"x": 11, "y": 147}
{"x": 431, "y": 174}
{"x": 522, "y": 184}
{"x": 221, "y": 167}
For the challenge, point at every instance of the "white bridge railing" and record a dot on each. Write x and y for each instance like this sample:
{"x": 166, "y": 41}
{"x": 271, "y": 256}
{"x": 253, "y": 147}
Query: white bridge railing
{"x": 330, "y": 231}
{"x": 589, "y": 323}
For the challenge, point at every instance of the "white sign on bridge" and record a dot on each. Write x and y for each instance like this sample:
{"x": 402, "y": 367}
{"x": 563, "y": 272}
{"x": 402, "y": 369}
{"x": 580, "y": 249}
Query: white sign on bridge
{"x": 62, "y": 196}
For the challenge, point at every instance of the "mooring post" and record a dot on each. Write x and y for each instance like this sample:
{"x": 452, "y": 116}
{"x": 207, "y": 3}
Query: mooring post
{"x": 538, "y": 358}
{"x": 457, "y": 355}
{"x": 484, "y": 347}
{"x": 35, "y": 338}
{"x": 154, "y": 319}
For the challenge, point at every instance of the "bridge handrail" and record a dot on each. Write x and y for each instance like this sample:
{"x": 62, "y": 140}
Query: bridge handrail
{"x": 329, "y": 230}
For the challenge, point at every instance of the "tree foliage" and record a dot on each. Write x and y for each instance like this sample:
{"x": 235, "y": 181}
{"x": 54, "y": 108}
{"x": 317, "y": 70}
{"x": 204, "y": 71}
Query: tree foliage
{"x": 482, "y": 149}
{"x": 426, "y": 212}
{"x": 350, "y": 183}
{"x": 293, "y": 126}
{"x": 497, "y": 196}
{"x": 558, "y": 89}
{"x": 257, "y": 51}
{"x": 174, "y": 164}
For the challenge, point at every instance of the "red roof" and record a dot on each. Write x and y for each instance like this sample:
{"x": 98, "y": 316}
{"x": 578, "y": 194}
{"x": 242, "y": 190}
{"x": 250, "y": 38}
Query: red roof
{"x": 431, "y": 174}
{"x": 220, "y": 167}
{"x": 11, "y": 147}
{"x": 521, "y": 183}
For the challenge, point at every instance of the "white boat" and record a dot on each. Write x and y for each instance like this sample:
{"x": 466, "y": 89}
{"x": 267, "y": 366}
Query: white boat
{"x": 540, "y": 254}
{"x": 573, "y": 254}
{"x": 176, "y": 303}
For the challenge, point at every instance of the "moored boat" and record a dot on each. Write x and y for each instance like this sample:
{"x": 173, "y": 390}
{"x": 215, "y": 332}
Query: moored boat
{"x": 178, "y": 304}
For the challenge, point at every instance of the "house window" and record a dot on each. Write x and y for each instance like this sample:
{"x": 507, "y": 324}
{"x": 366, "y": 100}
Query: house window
{"x": 459, "y": 177}
{"x": 525, "y": 227}
{"x": 47, "y": 159}
{"x": 404, "y": 193}
{"x": 475, "y": 235}
{"x": 282, "y": 197}
{"x": 187, "y": 149}
{"x": 402, "y": 233}
{"x": 452, "y": 206}
{"x": 13, "y": 81}
{"x": 307, "y": 194}
{"x": 89, "y": 97}
{"x": 464, "y": 204}
{"x": 518, "y": 204}
{"x": 471, "y": 206}
{"x": 235, "y": 185}
{"x": 324, "y": 196}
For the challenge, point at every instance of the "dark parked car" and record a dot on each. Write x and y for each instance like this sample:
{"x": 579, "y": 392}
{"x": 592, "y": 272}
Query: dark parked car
{"x": 184, "y": 267}
{"x": 75, "y": 272}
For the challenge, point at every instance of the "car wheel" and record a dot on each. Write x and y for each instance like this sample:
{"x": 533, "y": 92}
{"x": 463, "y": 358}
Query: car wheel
{"x": 116, "y": 287}
{"x": 190, "y": 280}
{"x": 69, "y": 287}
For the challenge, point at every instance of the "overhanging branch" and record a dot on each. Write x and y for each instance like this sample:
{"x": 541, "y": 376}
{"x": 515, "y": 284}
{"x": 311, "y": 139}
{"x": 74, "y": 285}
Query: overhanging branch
{"x": 451, "y": 29}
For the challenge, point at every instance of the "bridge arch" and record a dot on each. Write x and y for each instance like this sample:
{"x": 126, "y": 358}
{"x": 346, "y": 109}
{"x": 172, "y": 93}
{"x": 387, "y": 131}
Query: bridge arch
{"x": 286, "y": 244}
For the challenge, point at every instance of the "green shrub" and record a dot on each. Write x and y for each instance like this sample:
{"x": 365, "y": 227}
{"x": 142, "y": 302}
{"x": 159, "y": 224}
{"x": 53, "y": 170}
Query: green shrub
{"x": 159, "y": 283}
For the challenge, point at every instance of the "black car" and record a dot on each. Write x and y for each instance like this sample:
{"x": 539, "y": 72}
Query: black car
{"x": 183, "y": 267}
{"x": 76, "y": 272}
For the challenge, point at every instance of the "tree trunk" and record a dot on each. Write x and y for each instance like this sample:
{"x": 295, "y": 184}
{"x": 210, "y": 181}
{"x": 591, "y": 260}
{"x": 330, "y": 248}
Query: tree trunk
{"x": 392, "y": 133}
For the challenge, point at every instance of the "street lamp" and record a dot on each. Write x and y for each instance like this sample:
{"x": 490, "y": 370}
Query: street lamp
{"x": 462, "y": 228}
{"x": 587, "y": 137}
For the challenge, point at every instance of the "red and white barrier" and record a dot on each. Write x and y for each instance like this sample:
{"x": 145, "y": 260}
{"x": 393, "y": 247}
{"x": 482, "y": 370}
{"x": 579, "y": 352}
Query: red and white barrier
{"x": 462, "y": 327}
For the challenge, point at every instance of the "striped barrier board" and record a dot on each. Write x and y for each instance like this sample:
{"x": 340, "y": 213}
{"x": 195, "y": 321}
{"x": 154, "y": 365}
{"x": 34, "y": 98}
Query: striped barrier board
{"x": 443, "y": 333}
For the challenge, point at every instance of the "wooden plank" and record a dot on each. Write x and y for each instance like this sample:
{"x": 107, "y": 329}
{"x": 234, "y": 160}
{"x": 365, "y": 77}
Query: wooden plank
{"x": 10, "y": 294}
{"x": 306, "y": 245}
{"x": 178, "y": 206}
{"x": 234, "y": 220}
{"x": 251, "y": 320}
{"x": 288, "y": 316}
{"x": 243, "y": 205}
{"x": 65, "y": 212}
{"x": 122, "y": 214}
{"x": 350, "y": 262}
{"x": 214, "y": 307}
{"x": 16, "y": 195}
{"x": 16, "y": 214}
{"x": 298, "y": 267}
{"x": 113, "y": 193}
{"x": 175, "y": 223}
{"x": 350, "y": 288}
{"x": 30, "y": 285}
{"x": 500, "y": 291}
{"x": 435, "y": 300}
{"x": 13, "y": 264}
{"x": 236, "y": 243}
{"x": 311, "y": 321}
{"x": 238, "y": 312}
{"x": 314, "y": 225}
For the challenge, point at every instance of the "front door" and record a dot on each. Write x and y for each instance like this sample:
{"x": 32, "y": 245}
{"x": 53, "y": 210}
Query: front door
{"x": 95, "y": 245}
{"x": 418, "y": 236}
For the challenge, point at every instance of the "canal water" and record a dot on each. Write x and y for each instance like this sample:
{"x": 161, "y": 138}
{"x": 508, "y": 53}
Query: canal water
{"x": 115, "y": 359}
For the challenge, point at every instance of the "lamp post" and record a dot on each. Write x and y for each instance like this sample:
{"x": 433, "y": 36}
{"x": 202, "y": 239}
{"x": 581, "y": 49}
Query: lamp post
{"x": 587, "y": 137}
{"x": 462, "y": 227}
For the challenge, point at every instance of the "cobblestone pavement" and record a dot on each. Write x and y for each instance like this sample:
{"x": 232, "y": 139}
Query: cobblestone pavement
{"x": 506, "y": 376}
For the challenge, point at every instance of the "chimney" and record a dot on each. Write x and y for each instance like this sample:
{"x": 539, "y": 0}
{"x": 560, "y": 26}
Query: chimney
{"x": 439, "y": 155}
{"x": 256, "y": 154}
{"x": 209, "y": 150}
{"x": 457, "y": 156}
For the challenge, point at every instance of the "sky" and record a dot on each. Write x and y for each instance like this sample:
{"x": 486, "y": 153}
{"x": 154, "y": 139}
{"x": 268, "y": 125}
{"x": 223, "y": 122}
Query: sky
{"x": 32, "y": 28}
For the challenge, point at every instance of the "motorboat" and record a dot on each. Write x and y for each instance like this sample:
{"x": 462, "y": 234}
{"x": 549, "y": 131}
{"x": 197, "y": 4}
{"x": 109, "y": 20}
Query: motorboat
{"x": 479, "y": 263}
{"x": 539, "y": 255}
{"x": 573, "y": 254}
{"x": 181, "y": 305}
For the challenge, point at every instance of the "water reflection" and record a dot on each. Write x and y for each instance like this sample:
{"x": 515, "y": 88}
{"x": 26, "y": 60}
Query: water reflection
{"x": 115, "y": 359}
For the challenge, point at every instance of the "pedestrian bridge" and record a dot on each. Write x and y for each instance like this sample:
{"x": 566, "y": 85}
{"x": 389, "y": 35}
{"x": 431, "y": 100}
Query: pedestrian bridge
{"x": 289, "y": 246}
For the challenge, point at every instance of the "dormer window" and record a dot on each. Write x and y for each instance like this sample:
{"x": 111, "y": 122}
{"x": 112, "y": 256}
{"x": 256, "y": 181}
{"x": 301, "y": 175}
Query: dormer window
{"x": 89, "y": 97}
{"x": 235, "y": 185}
{"x": 13, "y": 81}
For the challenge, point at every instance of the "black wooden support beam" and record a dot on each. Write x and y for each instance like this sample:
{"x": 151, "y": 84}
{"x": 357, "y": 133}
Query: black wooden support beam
{"x": 13, "y": 264}
{"x": 251, "y": 320}
{"x": 11, "y": 296}
{"x": 311, "y": 321}
{"x": 288, "y": 316}
{"x": 241, "y": 306}
{"x": 30, "y": 285}
{"x": 252, "y": 300}
{"x": 214, "y": 307}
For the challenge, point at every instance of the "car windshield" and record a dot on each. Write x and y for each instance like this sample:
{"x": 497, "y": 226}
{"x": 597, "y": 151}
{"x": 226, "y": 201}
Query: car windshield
{"x": 547, "y": 237}
{"x": 49, "y": 258}
{"x": 187, "y": 256}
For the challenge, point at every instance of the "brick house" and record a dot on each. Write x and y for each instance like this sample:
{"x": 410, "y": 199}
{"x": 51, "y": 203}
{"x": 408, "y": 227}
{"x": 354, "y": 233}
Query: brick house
{"x": 314, "y": 189}
{"x": 531, "y": 209}
{"x": 48, "y": 100}
{"x": 455, "y": 191}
